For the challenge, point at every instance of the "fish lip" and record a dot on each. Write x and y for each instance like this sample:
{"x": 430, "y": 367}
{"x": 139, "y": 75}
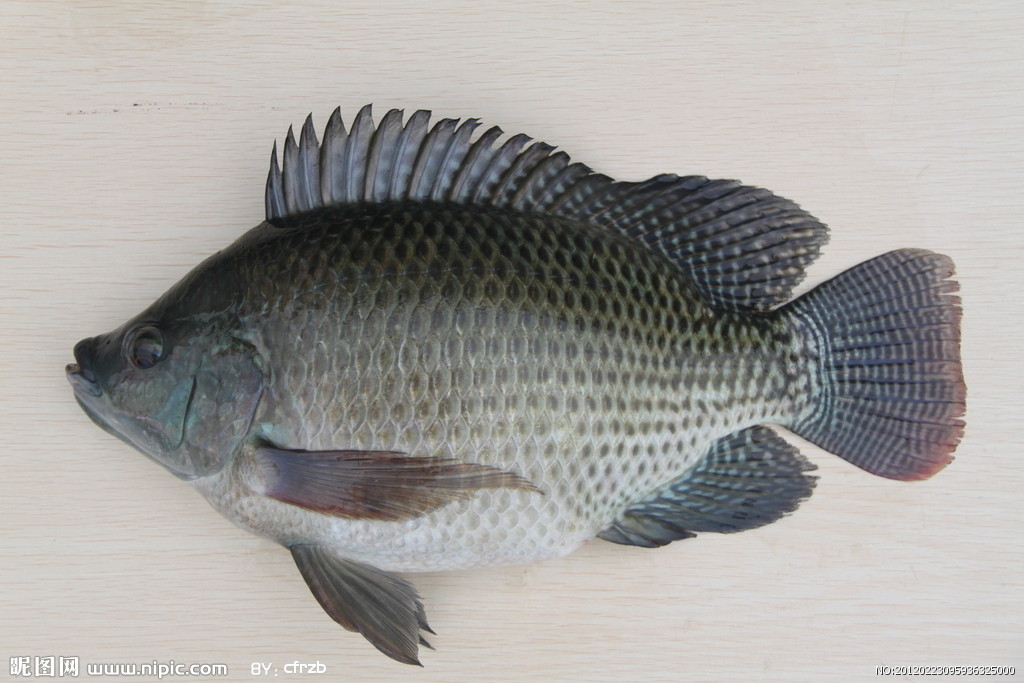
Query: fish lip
{"x": 82, "y": 380}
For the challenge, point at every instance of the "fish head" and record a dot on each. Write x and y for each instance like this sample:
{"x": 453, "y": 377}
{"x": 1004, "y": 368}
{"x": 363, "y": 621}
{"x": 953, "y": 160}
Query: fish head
{"x": 179, "y": 392}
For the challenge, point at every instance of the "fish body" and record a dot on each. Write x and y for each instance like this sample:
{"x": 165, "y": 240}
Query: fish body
{"x": 587, "y": 365}
{"x": 439, "y": 353}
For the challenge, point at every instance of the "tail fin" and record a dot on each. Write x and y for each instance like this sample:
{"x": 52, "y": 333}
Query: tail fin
{"x": 890, "y": 388}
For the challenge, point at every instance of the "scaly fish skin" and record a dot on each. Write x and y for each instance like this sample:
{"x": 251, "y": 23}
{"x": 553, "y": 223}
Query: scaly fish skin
{"x": 439, "y": 353}
{"x": 586, "y": 364}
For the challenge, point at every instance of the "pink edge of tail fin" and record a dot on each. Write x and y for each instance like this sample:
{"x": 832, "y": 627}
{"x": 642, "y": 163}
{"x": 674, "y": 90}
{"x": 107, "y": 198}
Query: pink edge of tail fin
{"x": 890, "y": 388}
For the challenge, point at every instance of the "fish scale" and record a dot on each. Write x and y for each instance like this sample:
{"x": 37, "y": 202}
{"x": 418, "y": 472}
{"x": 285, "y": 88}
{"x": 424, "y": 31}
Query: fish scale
{"x": 442, "y": 352}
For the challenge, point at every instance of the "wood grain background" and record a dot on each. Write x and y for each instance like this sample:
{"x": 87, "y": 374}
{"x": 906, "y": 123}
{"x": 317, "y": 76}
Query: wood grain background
{"x": 135, "y": 139}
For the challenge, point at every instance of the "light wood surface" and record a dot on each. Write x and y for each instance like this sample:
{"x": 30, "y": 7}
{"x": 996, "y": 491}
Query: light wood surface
{"x": 135, "y": 140}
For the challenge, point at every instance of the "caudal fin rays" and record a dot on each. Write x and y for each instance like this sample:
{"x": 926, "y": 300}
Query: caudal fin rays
{"x": 890, "y": 387}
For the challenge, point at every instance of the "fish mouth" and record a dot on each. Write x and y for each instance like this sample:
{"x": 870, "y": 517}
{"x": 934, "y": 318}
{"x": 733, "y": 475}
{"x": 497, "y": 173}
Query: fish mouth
{"x": 87, "y": 391}
{"x": 83, "y": 380}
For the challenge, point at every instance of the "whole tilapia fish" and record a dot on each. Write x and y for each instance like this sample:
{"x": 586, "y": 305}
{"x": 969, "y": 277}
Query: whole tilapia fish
{"x": 439, "y": 352}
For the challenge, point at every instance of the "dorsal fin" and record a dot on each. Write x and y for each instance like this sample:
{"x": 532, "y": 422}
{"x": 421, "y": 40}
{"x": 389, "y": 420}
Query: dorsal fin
{"x": 744, "y": 247}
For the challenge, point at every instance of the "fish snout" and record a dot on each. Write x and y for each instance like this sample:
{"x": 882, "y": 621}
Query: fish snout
{"x": 80, "y": 373}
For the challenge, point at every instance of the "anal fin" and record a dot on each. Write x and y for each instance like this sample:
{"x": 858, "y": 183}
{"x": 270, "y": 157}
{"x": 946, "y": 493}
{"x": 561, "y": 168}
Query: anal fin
{"x": 383, "y": 607}
{"x": 746, "y": 480}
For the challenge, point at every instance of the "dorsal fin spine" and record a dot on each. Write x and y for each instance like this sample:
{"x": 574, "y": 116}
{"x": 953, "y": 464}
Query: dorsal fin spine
{"x": 378, "y": 160}
{"x": 472, "y": 165}
{"x": 520, "y": 169}
{"x": 423, "y": 157}
{"x": 289, "y": 168}
{"x": 495, "y": 171}
{"x": 440, "y": 141}
{"x": 355, "y": 154}
{"x": 454, "y": 156}
{"x": 332, "y": 150}
{"x": 274, "y": 195}
{"x": 392, "y": 124}
{"x": 408, "y": 145}
{"x": 309, "y": 173}
{"x": 372, "y": 160}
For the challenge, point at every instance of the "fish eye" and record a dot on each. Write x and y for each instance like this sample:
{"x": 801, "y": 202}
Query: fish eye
{"x": 146, "y": 348}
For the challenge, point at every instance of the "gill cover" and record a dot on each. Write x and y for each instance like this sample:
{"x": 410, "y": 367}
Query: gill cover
{"x": 228, "y": 387}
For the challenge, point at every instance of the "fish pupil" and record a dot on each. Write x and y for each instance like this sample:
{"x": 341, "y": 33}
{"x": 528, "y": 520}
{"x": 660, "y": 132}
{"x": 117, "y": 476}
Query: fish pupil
{"x": 147, "y": 348}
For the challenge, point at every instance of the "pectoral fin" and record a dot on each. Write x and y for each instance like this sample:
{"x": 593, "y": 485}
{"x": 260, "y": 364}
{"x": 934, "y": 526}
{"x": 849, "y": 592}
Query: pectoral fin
{"x": 383, "y": 607}
{"x": 378, "y": 485}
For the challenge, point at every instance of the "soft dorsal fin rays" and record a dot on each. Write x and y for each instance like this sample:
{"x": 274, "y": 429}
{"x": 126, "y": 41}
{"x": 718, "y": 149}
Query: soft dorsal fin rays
{"x": 744, "y": 247}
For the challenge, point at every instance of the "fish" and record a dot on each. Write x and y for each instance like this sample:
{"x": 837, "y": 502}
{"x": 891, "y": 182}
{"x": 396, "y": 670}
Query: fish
{"x": 444, "y": 350}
